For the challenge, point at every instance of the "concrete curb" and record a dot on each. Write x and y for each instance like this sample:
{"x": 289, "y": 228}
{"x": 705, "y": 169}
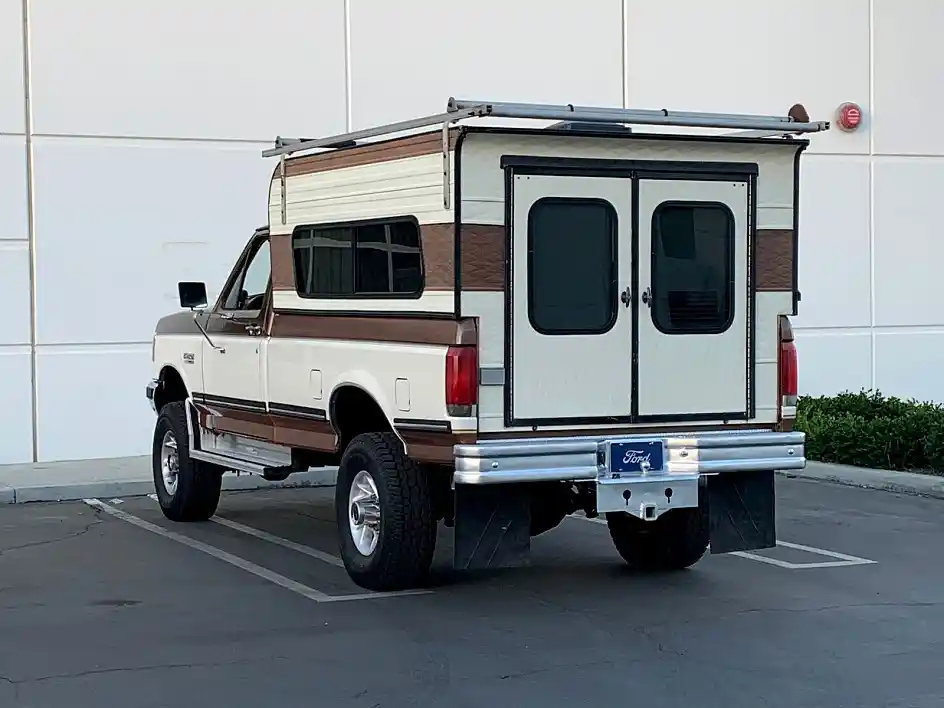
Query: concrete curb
{"x": 922, "y": 485}
{"x": 112, "y": 488}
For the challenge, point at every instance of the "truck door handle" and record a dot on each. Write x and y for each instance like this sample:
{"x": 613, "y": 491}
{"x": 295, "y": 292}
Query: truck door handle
{"x": 254, "y": 329}
{"x": 647, "y": 297}
{"x": 625, "y": 297}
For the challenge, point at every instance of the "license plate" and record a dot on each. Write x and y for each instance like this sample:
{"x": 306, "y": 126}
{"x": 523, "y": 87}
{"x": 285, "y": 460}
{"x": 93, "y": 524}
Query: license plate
{"x": 637, "y": 456}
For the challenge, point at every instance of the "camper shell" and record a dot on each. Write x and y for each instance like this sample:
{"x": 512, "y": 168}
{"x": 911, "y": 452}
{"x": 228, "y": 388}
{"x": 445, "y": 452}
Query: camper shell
{"x": 497, "y": 326}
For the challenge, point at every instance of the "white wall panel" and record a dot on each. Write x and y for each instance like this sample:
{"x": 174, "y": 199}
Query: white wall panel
{"x": 909, "y": 249}
{"x": 14, "y": 294}
{"x": 91, "y": 402}
{"x": 835, "y": 266}
{"x": 16, "y": 413}
{"x": 909, "y": 75}
{"x": 13, "y": 205}
{"x": 409, "y": 57}
{"x": 834, "y": 361}
{"x": 11, "y": 68}
{"x": 213, "y": 68}
{"x": 119, "y": 224}
{"x": 752, "y": 57}
{"x": 908, "y": 364}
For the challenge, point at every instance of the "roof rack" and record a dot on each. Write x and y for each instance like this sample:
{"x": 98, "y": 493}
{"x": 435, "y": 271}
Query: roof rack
{"x": 796, "y": 122}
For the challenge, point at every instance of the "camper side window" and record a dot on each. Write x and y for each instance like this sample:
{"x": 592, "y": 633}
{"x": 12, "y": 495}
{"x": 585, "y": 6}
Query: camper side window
{"x": 572, "y": 266}
{"x": 692, "y": 268}
{"x": 377, "y": 259}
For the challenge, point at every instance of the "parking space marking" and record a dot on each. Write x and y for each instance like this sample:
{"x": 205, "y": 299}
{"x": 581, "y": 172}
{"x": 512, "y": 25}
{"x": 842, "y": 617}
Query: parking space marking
{"x": 843, "y": 559}
{"x": 241, "y": 563}
{"x": 278, "y": 541}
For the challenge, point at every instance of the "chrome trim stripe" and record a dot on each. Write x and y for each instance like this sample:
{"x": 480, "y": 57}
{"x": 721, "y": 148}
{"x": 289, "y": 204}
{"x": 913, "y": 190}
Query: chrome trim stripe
{"x": 584, "y": 458}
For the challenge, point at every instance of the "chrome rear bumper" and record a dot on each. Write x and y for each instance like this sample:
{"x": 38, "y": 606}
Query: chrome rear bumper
{"x": 687, "y": 458}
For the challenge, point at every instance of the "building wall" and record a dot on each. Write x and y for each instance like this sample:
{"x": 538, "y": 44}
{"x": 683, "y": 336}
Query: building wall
{"x": 145, "y": 127}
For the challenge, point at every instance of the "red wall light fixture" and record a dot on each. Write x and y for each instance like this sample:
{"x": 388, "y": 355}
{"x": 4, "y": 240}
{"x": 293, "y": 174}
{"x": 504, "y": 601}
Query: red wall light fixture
{"x": 848, "y": 116}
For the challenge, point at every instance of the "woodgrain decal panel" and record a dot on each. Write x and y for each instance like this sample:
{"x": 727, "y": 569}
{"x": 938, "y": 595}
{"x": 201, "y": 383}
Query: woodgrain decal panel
{"x": 775, "y": 268}
{"x": 425, "y": 143}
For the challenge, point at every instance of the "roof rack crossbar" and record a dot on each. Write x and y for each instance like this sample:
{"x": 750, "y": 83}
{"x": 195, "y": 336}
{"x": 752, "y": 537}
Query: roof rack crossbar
{"x": 460, "y": 109}
{"x": 687, "y": 119}
{"x": 286, "y": 146}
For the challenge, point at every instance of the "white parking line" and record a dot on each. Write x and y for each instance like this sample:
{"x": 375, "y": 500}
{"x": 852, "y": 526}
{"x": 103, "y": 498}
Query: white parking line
{"x": 243, "y": 564}
{"x": 279, "y": 541}
{"x": 844, "y": 560}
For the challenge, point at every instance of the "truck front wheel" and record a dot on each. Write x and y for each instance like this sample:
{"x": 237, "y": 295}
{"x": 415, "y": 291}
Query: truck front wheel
{"x": 384, "y": 510}
{"x": 187, "y": 490}
{"x": 676, "y": 540}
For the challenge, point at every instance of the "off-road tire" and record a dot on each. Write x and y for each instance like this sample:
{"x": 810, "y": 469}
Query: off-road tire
{"x": 407, "y": 537}
{"x": 198, "y": 483}
{"x": 676, "y": 540}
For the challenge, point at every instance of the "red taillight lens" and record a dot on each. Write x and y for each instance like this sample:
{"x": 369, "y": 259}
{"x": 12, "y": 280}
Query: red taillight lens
{"x": 461, "y": 380}
{"x": 789, "y": 373}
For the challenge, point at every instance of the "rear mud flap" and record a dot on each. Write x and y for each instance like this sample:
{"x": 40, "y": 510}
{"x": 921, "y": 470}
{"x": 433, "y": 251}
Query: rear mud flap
{"x": 741, "y": 511}
{"x": 492, "y": 528}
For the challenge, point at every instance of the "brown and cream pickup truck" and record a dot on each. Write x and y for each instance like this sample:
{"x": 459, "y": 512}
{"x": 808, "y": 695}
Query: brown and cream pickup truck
{"x": 495, "y": 327}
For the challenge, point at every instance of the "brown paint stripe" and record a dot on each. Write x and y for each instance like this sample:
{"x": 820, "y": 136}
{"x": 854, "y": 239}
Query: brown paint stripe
{"x": 385, "y": 328}
{"x": 283, "y": 265}
{"x": 218, "y": 416}
{"x": 305, "y": 434}
{"x": 416, "y": 145}
{"x": 434, "y": 447}
{"x": 774, "y": 268}
{"x": 483, "y": 258}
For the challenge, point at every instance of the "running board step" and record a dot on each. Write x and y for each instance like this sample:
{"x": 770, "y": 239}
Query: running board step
{"x": 271, "y": 474}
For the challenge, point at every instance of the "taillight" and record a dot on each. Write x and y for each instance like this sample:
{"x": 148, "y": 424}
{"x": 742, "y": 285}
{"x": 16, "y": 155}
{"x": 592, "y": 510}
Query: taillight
{"x": 461, "y": 380}
{"x": 788, "y": 366}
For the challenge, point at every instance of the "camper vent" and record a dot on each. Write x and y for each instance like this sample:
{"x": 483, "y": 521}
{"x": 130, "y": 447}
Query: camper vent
{"x": 590, "y": 127}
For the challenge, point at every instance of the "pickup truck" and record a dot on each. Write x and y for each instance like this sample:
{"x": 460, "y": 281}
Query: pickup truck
{"x": 493, "y": 328}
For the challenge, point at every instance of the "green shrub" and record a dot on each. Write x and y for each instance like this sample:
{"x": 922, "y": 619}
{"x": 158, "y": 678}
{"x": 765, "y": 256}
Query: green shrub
{"x": 868, "y": 429}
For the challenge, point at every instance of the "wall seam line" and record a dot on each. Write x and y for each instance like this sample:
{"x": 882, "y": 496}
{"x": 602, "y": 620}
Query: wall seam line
{"x": 348, "y": 101}
{"x": 624, "y": 36}
{"x": 30, "y": 227}
{"x": 871, "y": 128}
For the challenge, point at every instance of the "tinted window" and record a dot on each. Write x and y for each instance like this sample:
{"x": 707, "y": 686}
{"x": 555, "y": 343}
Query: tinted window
{"x": 692, "y": 268}
{"x": 572, "y": 266}
{"x": 324, "y": 261}
{"x": 388, "y": 259}
{"x": 249, "y": 288}
{"x": 374, "y": 259}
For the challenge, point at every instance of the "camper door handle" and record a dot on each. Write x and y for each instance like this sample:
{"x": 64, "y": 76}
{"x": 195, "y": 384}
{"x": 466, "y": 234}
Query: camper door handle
{"x": 625, "y": 297}
{"x": 647, "y": 297}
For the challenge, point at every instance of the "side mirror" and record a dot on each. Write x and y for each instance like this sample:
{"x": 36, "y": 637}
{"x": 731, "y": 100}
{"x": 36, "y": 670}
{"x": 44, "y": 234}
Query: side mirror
{"x": 193, "y": 296}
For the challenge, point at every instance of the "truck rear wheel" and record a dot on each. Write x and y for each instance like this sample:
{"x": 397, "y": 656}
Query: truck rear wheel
{"x": 676, "y": 540}
{"x": 384, "y": 509}
{"x": 187, "y": 490}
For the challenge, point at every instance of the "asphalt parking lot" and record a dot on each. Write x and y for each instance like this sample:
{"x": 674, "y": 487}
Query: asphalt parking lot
{"x": 101, "y": 607}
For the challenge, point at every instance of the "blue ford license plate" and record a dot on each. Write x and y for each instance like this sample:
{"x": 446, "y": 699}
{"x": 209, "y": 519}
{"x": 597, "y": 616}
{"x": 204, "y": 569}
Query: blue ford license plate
{"x": 637, "y": 456}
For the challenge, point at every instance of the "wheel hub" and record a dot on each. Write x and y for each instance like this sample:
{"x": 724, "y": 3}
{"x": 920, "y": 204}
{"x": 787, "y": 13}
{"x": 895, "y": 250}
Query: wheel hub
{"x": 170, "y": 463}
{"x": 364, "y": 513}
